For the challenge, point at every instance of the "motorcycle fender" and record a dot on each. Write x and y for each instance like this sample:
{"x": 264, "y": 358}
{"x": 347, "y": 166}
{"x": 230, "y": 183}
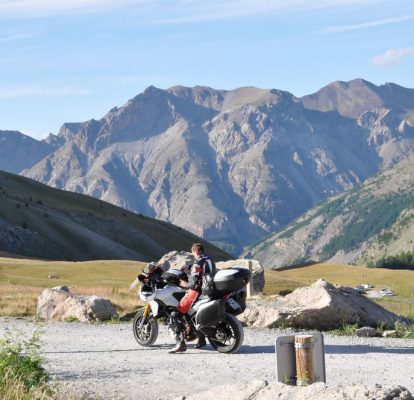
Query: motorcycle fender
{"x": 154, "y": 308}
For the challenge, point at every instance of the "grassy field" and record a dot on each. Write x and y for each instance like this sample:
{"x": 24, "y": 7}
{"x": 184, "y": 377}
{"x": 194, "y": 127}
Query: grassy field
{"x": 22, "y": 280}
{"x": 401, "y": 281}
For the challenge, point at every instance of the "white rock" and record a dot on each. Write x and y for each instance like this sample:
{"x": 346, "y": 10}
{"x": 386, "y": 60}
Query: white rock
{"x": 318, "y": 306}
{"x": 176, "y": 260}
{"x": 58, "y": 304}
{"x": 390, "y": 333}
{"x": 366, "y": 331}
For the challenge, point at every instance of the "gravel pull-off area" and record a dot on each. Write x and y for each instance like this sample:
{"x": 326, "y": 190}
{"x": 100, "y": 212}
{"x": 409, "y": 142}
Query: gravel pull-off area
{"x": 262, "y": 390}
{"x": 105, "y": 361}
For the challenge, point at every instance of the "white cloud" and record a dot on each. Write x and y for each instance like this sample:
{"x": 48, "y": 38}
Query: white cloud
{"x": 202, "y": 10}
{"x": 38, "y": 91}
{"x": 11, "y": 38}
{"x": 367, "y": 25}
{"x": 32, "y": 47}
{"x": 170, "y": 11}
{"x": 45, "y": 8}
{"x": 392, "y": 56}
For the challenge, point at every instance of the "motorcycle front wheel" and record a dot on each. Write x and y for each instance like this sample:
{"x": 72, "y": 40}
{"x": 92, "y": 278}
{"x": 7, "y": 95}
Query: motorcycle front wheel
{"x": 229, "y": 335}
{"x": 146, "y": 334}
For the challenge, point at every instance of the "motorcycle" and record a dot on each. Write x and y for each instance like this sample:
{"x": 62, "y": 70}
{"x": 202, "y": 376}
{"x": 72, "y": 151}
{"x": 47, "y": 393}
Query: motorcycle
{"x": 212, "y": 315}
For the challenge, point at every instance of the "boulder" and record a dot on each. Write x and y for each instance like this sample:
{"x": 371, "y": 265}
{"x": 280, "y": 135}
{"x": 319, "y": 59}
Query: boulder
{"x": 366, "y": 331}
{"x": 257, "y": 275}
{"x": 319, "y": 306}
{"x": 263, "y": 390}
{"x": 176, "y": 260}
{"x": 391, "y": 333}
{"x": 58, "y": 304}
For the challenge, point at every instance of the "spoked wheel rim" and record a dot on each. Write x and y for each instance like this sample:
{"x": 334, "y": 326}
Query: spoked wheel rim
{"x": 225, "y": 336}
{"x": 144, "y": 332}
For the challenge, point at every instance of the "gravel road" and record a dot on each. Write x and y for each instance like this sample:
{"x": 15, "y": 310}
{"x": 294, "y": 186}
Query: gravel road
{"x": 105, "y": 361}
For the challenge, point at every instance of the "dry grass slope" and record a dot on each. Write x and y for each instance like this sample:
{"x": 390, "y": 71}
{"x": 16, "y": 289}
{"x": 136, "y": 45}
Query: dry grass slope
{"x": 21, "y": 282}
{"x": 55, "y": 224}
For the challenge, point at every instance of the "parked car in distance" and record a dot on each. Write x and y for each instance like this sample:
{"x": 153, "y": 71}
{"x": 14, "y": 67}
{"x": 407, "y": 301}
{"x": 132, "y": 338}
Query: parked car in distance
{"x": 386, "y": 292}
{"x": 367, "y": 286}
{"x": 359, "y": 288}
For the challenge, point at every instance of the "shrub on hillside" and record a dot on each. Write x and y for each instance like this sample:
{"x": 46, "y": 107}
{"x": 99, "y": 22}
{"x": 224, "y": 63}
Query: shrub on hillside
{"x": 21, "y": 373}
{"x": 404, "y": 260}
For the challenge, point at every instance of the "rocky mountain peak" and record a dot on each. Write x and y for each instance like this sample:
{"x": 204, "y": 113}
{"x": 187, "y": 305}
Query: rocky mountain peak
{"x": 233, "y": 165}
{"x": 350, "y": 99}
{"x": 19, "y": 151}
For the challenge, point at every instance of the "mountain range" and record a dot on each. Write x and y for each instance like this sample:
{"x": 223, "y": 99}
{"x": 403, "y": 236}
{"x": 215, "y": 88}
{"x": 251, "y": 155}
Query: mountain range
{"x": 230, "y": 166}
{"x": 361, "y": 225}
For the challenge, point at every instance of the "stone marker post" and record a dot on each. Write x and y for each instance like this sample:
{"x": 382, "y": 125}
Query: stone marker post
{"x": 300, "y": 359}
{"x": 304, "y": 350}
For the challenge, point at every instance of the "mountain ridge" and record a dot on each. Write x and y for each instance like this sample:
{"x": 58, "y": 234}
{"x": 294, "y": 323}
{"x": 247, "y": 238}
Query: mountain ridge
{"x": 44, "y": 222}
{"x": 231, "y": 166}
{"x": 358, "y": 226}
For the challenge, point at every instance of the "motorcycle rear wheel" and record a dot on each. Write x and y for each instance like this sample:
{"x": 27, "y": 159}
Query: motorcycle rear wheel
{"x": 229, "y": 335}
{"x": 147, "y": 334}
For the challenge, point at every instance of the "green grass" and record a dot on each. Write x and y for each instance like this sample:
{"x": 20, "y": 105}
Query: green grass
{"x": 22, "y": 376}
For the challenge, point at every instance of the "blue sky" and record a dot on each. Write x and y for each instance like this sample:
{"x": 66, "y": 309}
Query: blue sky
{"x": 68, "y": 61}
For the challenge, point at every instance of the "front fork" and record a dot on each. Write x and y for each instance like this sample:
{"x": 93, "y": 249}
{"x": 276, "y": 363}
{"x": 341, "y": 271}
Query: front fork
{"x": 145, "y": 314}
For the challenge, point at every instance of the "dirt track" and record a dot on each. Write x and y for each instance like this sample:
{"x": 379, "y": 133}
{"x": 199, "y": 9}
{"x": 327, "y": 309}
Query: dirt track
{"x": 105, "y": 360}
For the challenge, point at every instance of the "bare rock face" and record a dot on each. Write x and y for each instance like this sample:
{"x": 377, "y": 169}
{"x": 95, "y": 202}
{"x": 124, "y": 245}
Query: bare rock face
{"x": 320, "y": 306}
{"x": 267, "y": 156}
{"x": 257, "y": 274}
{"x": 58, "y": 304}
{"x": 263, "y": 390}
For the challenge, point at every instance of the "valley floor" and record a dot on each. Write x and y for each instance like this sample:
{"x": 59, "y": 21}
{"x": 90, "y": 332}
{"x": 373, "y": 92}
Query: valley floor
{"x": 105, "y": 361}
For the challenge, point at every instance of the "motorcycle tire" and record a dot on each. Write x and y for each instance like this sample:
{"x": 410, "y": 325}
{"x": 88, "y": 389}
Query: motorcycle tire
{"x": 148, "y": 333}
{"x": 229, "y": 335}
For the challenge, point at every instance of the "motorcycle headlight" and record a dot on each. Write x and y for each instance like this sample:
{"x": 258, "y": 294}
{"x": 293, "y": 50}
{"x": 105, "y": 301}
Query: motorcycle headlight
{"x": 151, "y": 297}
{"x": 145, "y": 292}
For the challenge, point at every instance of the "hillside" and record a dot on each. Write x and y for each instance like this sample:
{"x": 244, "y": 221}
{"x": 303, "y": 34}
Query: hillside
{"x": 43, "y": 222}
{"x": 232, "y": 166}
{"x": 358, "y": 226}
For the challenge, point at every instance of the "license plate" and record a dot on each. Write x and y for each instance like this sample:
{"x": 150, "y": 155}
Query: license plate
{"x": 233, "y": 304}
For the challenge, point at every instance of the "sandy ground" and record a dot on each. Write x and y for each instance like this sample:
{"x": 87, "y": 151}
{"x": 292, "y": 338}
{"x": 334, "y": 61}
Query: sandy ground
{"x": 105, "y": 361}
